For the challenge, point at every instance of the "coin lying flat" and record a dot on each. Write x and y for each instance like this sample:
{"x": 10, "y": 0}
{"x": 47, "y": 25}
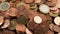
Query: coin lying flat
{"x": 37, "y": 19}
{"x": 22, "y": 20}
{"x": 12, "y": 25}
{"x": 4, "y": 6}
{"x": 57, "y": 20}
{"x": 20, "y": 27}
{"x": 11, "y": 12}
{"x": 44, "y": 8}
{"x": 31, "y": 25}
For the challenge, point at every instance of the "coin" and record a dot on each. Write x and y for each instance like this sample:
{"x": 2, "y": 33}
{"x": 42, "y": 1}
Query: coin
{"x": 56, "y": 28}
{"x": 4, "y": 6}
{"x": 31, "y": 25}
{"x": 57, "y": 20}
{"x": 6, "y": 24}
{"x": 20, "y": 27}
{"x": 44, "y": 8}
{"x": 37, "y": 19}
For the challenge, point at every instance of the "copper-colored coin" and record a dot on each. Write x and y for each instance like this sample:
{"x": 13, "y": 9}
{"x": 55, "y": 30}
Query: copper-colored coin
{"x": 58, "y": 3}
{"x": 53, "y": 8}
{"x": 56, "y": 28}
{"x": 12, "y": 25}
{"x": 11, "y": 12}
{"x": 44, "y": 26}
{"x": 20, "y": 27}
{"x": 21, "y": 10}
{"x": 27, "y": 6}
{"x": 6, "y": 24}
{"x": 28, "y": 1}
{"x": 31, "y": 25}
{"x": 52, "y": 3}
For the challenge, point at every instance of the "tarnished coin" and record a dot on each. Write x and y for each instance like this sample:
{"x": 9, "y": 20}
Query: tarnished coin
{"x": 12, "y": 25}
{"x": 31, "y": 25}
{"x": 22, "y": 19}
{"x": 20, "y": 4}
{"x": 4, "y": 6}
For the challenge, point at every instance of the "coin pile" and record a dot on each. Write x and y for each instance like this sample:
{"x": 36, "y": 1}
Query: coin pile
{"x": 30, "y": 16}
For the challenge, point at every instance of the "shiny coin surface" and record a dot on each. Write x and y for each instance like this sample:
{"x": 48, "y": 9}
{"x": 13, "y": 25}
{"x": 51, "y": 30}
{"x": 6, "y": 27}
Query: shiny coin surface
{"x": 57, "y": 20}
{"x": 37, "y": 19}
{"x": 44, "y": 8}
